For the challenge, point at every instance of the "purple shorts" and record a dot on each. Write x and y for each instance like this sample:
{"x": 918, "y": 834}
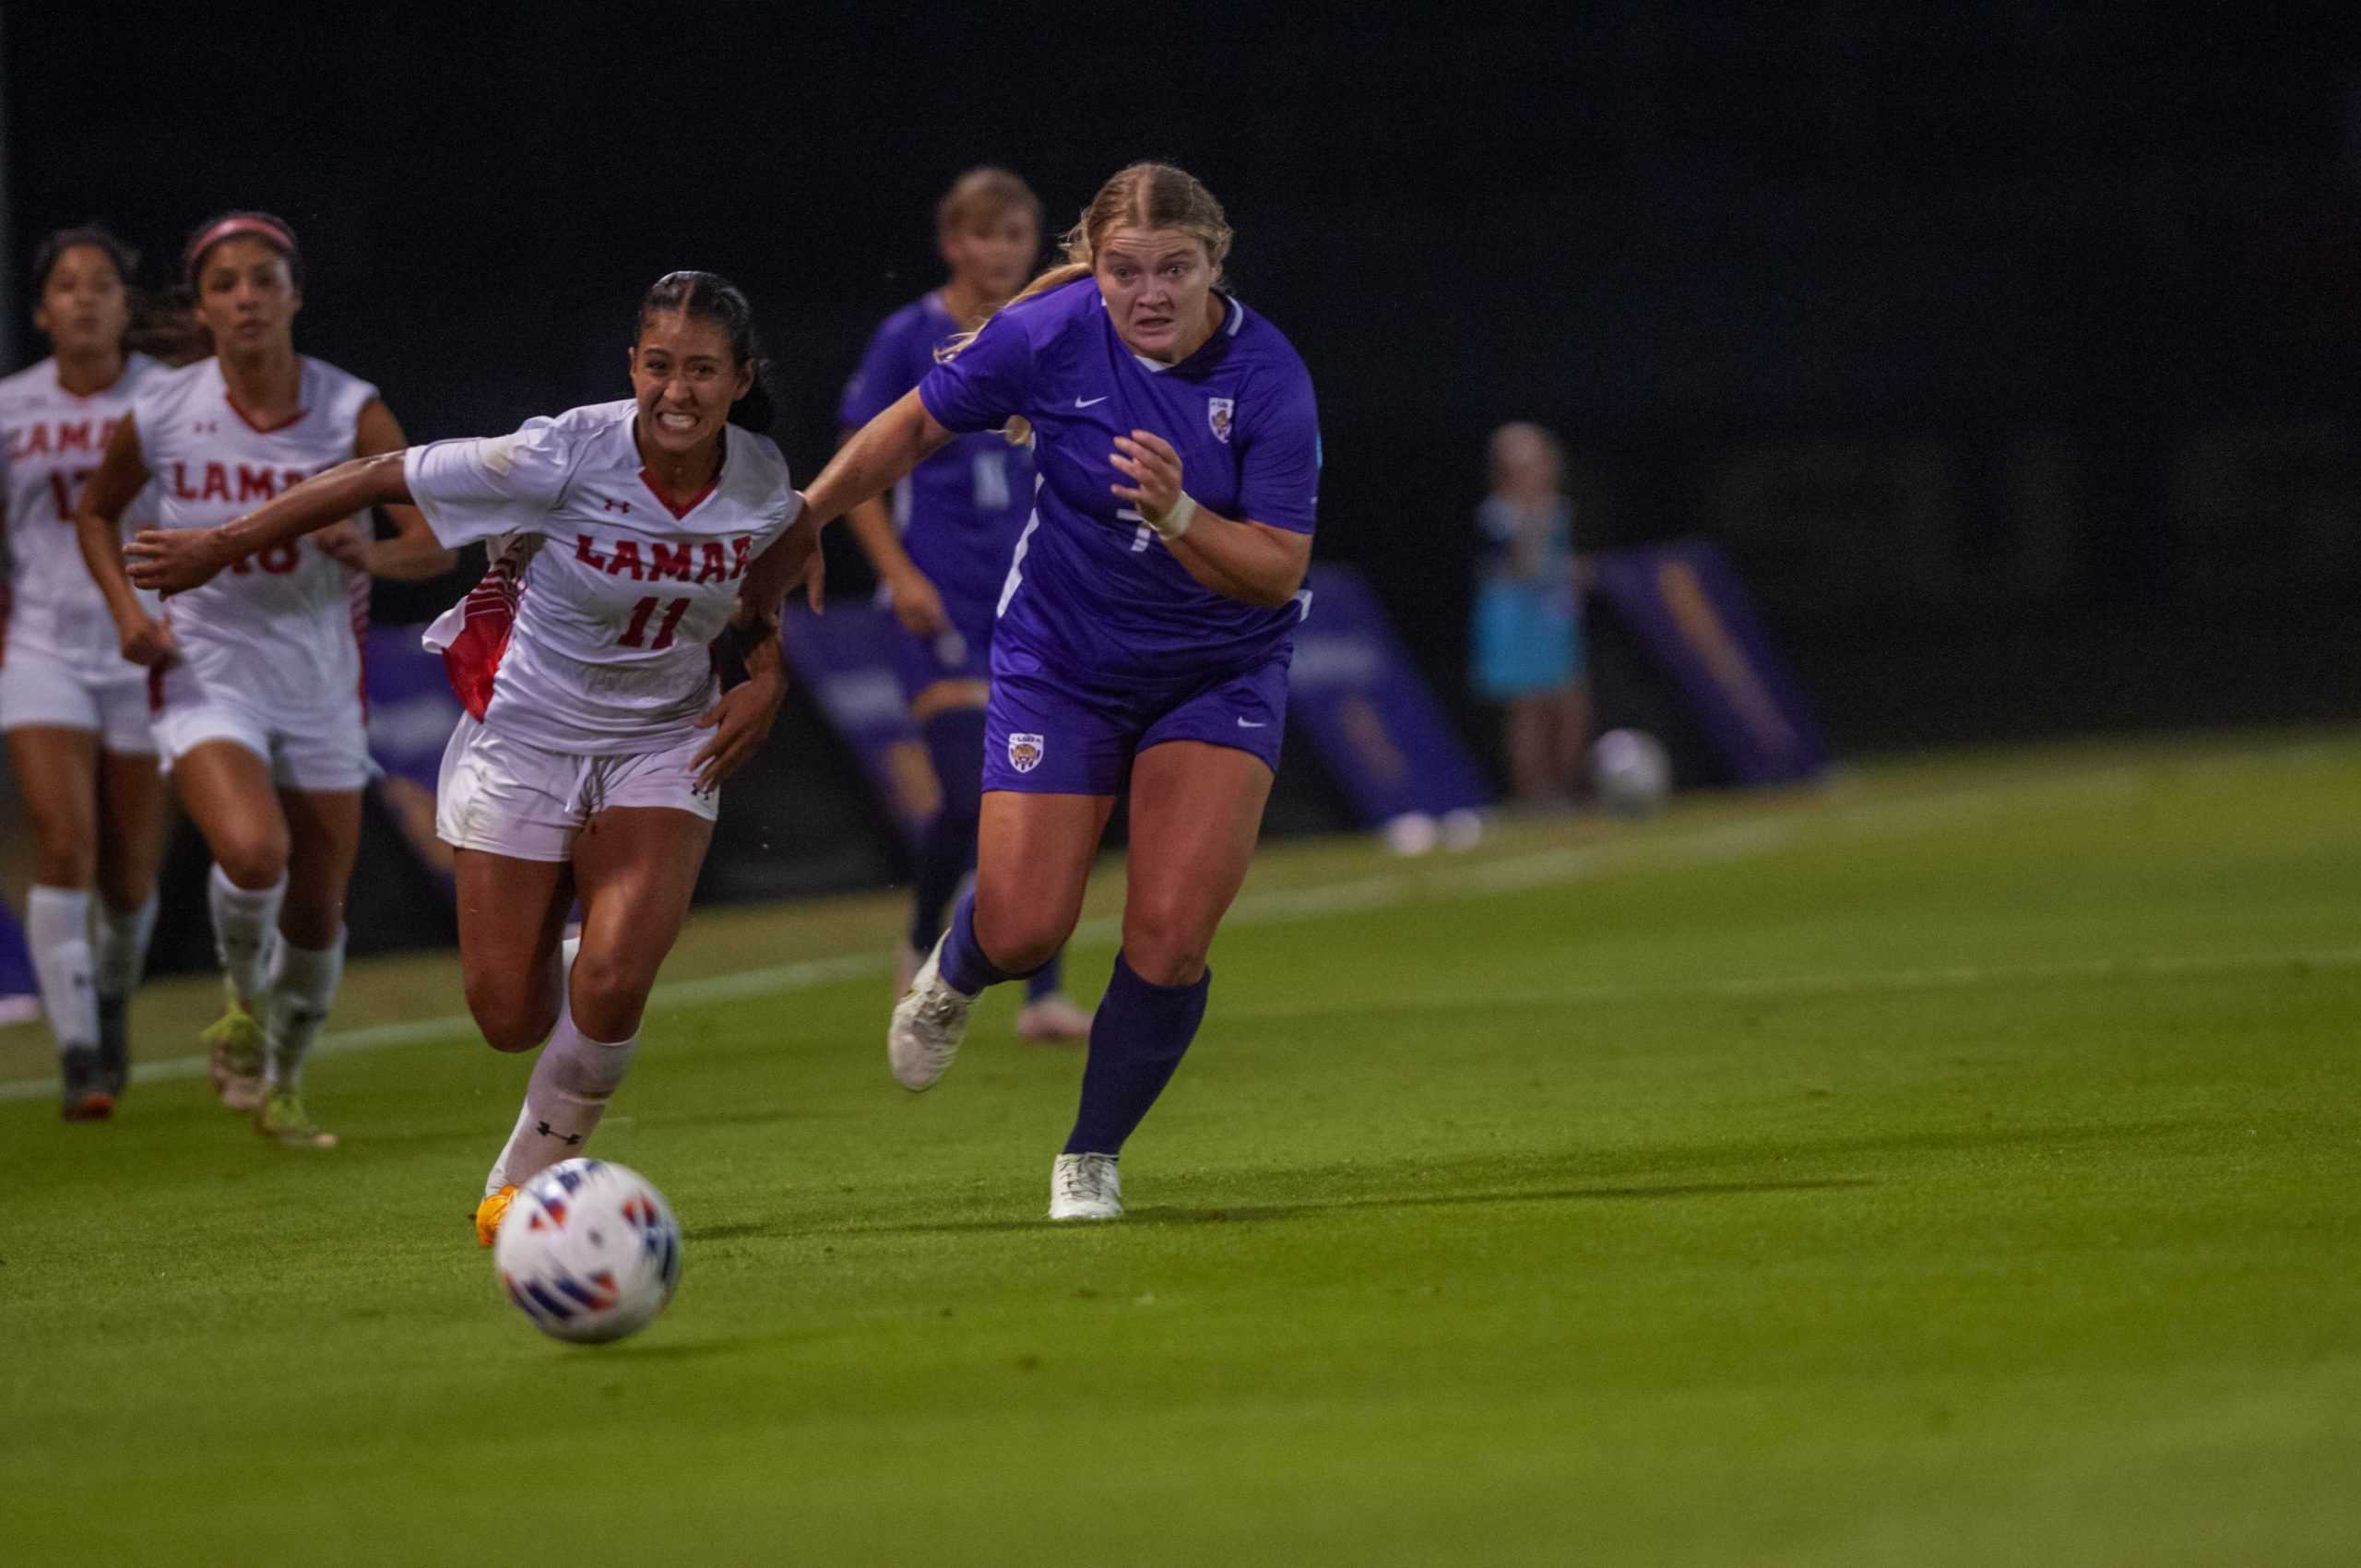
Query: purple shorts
{"x": 1049, "y": 734}
{"x": 958, "y": 654}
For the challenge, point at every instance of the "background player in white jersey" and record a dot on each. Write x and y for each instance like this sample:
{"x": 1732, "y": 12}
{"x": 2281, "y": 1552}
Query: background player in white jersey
{"x": 75, "y": 711}
{"x": 255, "y": 678}
{"x": 582, "y": 769}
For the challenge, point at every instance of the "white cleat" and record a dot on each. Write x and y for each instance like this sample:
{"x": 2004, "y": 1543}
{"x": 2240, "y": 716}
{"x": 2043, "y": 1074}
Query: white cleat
{"x": 929, "y": 1023}
{"x": 1085, "y": 1186}
{"x": 1052, "y": 1020}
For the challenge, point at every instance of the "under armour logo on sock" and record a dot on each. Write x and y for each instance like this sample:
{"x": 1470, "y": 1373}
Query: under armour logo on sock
{"x": 569, "y": 1139}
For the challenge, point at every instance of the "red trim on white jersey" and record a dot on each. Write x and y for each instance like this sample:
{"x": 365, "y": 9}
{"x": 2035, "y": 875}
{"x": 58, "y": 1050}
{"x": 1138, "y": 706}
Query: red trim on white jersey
{"x": 487, "y": 615}
{"x": 684, "y": 508}
{"x": 294, "y": 419}
{"x": 356, "y": 594}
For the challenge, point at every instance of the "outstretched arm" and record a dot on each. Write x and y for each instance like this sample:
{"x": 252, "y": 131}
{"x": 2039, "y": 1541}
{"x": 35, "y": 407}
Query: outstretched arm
{"x": 413, "y": 552}
{"x": 97, "y": 529}
{"x": 182, "y": 559}
{"x": 877, "y": 455}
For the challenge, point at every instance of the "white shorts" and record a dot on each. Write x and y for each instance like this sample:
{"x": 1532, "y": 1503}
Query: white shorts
{"x": 39, "y": 688}
{"x": 510, "y": 798}
{"x": 322, "y": 752}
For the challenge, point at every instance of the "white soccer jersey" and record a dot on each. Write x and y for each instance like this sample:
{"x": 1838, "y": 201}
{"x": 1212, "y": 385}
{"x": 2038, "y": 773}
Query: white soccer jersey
{"x": 53, "y": 441}
{"x": 607, "y": 652}
{"x": 278, "y": 630}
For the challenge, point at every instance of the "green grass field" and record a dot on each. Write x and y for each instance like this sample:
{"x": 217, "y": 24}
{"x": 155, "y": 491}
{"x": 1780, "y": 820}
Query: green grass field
{"x": 1958, "y": 1165}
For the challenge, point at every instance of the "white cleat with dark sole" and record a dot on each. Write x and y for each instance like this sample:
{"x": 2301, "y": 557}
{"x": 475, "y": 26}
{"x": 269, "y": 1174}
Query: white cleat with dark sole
{"x": 929, "y": 1023}
{"x": 1085, "y": 1186}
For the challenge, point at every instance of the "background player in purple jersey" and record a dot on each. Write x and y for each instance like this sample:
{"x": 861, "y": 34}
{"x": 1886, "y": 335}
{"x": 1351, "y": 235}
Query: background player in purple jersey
{"x": 1145, "y": 626}
{"x": 941, "y": 551}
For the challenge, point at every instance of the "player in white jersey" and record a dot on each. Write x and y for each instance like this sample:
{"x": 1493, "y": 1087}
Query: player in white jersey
{"x": 621, "y": 533}
{"x": 255, "y": 678}
{"x": 74, "y": 710}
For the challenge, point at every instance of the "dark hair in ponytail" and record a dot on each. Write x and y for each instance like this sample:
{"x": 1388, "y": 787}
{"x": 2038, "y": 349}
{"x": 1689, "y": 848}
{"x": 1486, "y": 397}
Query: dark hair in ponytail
{"x": 708, "y": 296}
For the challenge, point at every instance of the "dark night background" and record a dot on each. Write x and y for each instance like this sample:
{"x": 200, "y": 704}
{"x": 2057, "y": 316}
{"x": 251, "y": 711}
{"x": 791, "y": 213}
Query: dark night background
{"x": 2011, "y": 350}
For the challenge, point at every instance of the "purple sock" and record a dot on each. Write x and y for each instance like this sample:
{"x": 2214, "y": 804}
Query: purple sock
{"x": 1137, "y": 1039}
{"x": 964, "y": 963}
{"x": 954, "y": 743}
{"x": 1046, "y": 979}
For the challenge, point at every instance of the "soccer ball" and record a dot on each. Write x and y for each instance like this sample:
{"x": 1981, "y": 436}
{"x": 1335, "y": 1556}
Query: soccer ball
{"x": 589, "y": 1251}
{"x": 1631, "y": 772}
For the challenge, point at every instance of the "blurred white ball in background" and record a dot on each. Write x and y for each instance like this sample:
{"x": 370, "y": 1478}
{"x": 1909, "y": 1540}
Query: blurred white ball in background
{"x": 1631, "y": 772}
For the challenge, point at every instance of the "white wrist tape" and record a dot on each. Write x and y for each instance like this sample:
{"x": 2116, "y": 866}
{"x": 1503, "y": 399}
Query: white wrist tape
{"x": 1176, "y": 522}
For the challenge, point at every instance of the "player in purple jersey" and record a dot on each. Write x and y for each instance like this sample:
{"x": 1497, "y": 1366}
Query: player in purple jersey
{"x": 942, "y": 552}
{"x": 1145, "y": 626}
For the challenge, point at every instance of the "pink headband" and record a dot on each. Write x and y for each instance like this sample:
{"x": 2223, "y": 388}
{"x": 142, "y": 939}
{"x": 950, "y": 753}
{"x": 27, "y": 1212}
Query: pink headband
{"x": 231, "y": 228}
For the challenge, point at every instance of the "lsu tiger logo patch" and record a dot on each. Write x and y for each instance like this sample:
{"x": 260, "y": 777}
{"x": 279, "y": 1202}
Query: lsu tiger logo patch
{"x": 1025, "y": 752}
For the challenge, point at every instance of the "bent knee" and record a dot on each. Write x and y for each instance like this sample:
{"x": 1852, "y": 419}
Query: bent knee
{"x": 610, "y": 991}
{"x": 251, "y": 860}
{"x": 509, "y": 1019}
{"x": 1021, "y": 941}
{"x": 1165, "y": 951}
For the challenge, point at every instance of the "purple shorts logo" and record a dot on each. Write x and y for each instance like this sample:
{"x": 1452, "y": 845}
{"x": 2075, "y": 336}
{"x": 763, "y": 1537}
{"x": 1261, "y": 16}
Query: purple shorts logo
{"x": 1218, "y": 413}
{"x": 1025, "y": 753}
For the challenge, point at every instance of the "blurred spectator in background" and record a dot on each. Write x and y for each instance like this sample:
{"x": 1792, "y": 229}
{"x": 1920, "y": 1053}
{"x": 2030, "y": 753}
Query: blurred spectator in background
{"x": 1528, "y": 630}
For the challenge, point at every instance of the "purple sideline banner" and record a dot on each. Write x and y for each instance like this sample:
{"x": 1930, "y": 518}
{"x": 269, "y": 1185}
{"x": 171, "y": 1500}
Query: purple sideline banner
{"x": 1355, "y": 695}
{"x": 1686, "y": 603}
{"x": 412, "y": 714}
{"x": 845, "y": 658}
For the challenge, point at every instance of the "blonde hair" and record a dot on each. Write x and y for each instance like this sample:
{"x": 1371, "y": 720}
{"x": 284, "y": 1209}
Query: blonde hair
{"x": 1146, "y": 195}
{"x": 981, "y": 195}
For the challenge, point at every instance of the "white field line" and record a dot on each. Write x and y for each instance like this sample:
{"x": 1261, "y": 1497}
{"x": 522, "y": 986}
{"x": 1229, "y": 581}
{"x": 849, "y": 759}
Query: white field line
{"x": 773, "y": 980}
{"x": 1475, "y": 877}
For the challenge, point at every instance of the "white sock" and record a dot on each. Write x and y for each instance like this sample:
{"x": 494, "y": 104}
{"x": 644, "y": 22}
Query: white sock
{"x": 563, "y": 1101}
{"x": 57, "y": 928}
{"x": 302, "y": 987}
{"x": 120, "y": 957}
{"x": 568, "y": 950}
{"x": 246, "y": 926}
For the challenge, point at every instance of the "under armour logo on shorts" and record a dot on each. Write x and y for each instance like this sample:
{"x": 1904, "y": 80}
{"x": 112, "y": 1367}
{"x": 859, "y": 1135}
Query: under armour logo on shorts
{"x": 1025, "y": 752}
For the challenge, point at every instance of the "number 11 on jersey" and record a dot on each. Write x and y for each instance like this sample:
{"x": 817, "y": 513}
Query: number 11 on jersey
{"x": 635, "y": 635}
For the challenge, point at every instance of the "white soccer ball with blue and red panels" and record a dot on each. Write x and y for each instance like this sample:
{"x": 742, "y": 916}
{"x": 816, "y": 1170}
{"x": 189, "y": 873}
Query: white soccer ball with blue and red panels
{"x": 589, "y": 1251}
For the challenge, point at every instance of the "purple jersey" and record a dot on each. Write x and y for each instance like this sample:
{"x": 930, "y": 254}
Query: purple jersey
{"x": 961, "y": 510}
{"x": 1091, "y": 587}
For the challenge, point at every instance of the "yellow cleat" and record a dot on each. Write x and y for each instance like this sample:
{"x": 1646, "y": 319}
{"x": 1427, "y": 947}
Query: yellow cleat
{"x": 490, "y": 1212}
{"x": 233, "y": 1042}
{"x": 282, "y": 1116}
